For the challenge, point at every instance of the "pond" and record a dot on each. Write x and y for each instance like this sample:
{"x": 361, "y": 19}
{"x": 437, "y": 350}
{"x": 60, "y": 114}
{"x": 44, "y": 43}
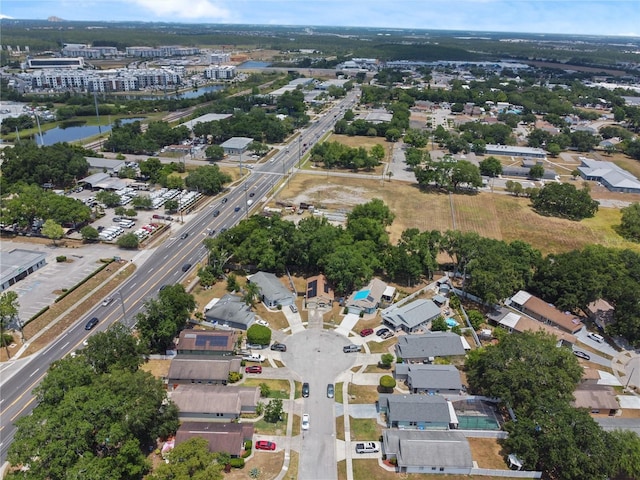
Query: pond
{"x": 73, "y": 131}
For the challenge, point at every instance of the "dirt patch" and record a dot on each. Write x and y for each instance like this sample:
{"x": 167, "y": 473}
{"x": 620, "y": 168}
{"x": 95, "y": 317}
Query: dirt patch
{"x": 269, "y": 464}
{"x": 487, "y": 452}
{"x": 156, "y": 367}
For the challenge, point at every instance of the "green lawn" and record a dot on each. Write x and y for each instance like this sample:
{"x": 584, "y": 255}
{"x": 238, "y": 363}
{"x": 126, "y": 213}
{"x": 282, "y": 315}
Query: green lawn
{"x": 365, "y": 429}
{"x": 278, "y": 388}
{"x": 279, "y": 428}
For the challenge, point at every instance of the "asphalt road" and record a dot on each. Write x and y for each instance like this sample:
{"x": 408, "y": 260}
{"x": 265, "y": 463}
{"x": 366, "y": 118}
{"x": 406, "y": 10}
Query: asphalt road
{"x": 164, "y": 266}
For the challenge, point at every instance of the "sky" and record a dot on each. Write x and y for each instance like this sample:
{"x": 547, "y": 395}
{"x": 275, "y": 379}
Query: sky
{"x": 592, "y": 17}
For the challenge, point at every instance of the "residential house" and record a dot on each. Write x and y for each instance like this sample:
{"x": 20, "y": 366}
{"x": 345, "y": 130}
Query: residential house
{"x": 199, "y": 369}
{"x": 319, "y": 292}
{"x": 540, "y": 310}
{"x": 418, "y": 412}
{"x": 515, "y": 323}
{"x": 412, "y": 316}
{"x": 428, "y": 451}
{"x": 222, "y": 437}
{"x": 214, "y": 403}
{"x": 430, "y": 379}
{"x": 232, "y": 312}
{"x": 598, "y": 399}
{"x": 272, "y": 291}
{"x": 207, "y": 342}
{"x": 429, "y": 346}
{"x": 367, "y": 299}
{"x": 601, "y": 313}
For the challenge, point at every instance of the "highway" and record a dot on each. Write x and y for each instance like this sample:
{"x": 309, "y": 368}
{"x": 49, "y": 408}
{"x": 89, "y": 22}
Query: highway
{"x": 164, "y": 266}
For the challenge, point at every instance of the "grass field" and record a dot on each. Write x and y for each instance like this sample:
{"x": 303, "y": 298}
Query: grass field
{"x": 492, "y": 215}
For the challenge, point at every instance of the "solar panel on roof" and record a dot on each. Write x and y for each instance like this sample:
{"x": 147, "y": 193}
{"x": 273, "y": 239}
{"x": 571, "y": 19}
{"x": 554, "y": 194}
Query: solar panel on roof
{"x": 312, "y": 289}
{"x": 206, "y": 340}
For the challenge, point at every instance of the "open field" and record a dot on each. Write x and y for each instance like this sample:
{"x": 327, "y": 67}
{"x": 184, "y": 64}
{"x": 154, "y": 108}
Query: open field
{"x": 498, "y": 216}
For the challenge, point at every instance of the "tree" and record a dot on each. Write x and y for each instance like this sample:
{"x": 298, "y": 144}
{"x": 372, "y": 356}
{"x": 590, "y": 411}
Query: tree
{"x": 89, "y": 234}
{"x": 109, "y": 199}
{"x": 171, "y": 205}
{"x": 207, "y": 179}
{"x": 175, "y": 182}
{"x": 630, "y": 222}
{"x": 392, "y": 135}
{"x": 377, "y": 152}
{"x": 251, "y": 293}
{"x": 129, "y": 241}
{"x": 273, "y": 411}
{"x": 439, "y": 324}
{"x": 536, "y": 172}
{"x": 491, "y": 167}
{"x": 566, "y": 201}
{"x": 214, "y": 152}
{"x": 475, "y": 318}
{"x": 387, "y": 384}
{"x": 8, "y": 311}
{"x": 151, "y": 168}
{"x": 465, "y": 172}
{"x": 232, "y": 283}
{"x": 374, "y": 209}
{"x": 142, "y": 202}
{"x": 386, "y": 360}
{"x": 114, "y": 349}
{"x": 554, "y": 149}
{"x": 191, "y": 460}
{"x": 259, "y": 334}
{"x": 52, "y": 230}
{"x": 525, "y": 370}
{"x": 265, "y": 390}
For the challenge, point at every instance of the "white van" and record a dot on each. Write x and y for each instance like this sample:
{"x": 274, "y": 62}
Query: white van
{"x": 126, "y": 223}
{"x": 596, "y": 337}
{"x": 254, "y": 357}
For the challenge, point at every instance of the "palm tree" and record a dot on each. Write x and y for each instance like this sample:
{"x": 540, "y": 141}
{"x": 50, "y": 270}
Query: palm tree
{"x": 251, "y": 293}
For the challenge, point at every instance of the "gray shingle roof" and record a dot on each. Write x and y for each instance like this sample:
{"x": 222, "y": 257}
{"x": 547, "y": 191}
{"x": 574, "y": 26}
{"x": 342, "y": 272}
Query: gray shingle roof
{"x": 411, "y": 315}
{"x": 434, "y": 377}
{"x": 416, "y": 408}
{"x": 231, "y": 308}
{"x": 270, "y": 286}
{"x": 433, "y": 344}
{"x": 428, "y": 448}
{"x": 202, "y": 368}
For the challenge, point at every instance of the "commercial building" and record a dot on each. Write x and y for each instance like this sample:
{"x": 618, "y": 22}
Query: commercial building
{"x": 55, "y": 62}
{"x": 236, "y": 145}
{"x": 16, "y": 264}
{"x": 514, "y": 151}
{"x": 609, "y": 174}
{"x": 220, "y": 72}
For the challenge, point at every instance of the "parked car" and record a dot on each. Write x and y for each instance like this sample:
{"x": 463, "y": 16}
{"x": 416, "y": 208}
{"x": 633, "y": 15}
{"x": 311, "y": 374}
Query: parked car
{"x": 265, "y": 445}
{"x": 305, "y": 421}
{"x": 253, "y": 369}
{"x": 382, "y": 331}
{"x": 255, "y": 346}
{"x": 580, "y": 354}
{"x": 293, "y": 308}
{"x": 386, "y": 335}
{"x": 366, "y": 332}
{"x": 91, "y": 323}
{"x": 330, "y": 391}
{"x": 262, "y": 322}
{"x": 279, "y": 347}
{"x": 367, "y": 447}
{"x": 254, "y": 357}
{"x": 596, "y": 337}
{"x": 351, "y": 348}
{"x": 305, "y": 390}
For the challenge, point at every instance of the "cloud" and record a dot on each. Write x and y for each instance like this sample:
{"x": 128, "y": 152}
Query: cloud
{"x": 206, "y": 10}
{"x": 5, "y": 16}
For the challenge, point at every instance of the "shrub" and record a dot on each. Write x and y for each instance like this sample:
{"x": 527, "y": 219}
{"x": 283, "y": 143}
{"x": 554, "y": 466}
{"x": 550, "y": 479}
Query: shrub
{"x": 259, "y": 334}
{"x": 387, "y": 383}
{"x": 346, "y": 310}
{"x": 237, "y": 462}
{"x": 61, "y": 259}
{"x": 248, "y": 445}
{"x": 247, "y": 452}
{"x": 234, "y": 377}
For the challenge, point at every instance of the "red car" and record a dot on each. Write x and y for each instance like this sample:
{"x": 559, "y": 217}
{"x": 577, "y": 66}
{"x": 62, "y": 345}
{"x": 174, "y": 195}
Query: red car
{"x": 366, "y": 332}
{"x": 253, "y": 369}
{"x": 265, "y": 445}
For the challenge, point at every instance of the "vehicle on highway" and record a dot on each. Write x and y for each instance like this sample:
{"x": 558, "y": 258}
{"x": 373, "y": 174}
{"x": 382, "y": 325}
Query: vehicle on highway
{"x": 580, "y": 354}
{"x": 107, "y": 301}
{"x": 351, "y": 348}
{"x": 279, "y": 347}
{"x": 225, "y": 200}
{"x": 366, "y": 332}
{"x": 216, "y": 213}
{"x": 265, "y": 445}
{"x": 305, "y": 390}
{"x": 305, "y": 421}
{"x": 252, "y": 194}
{"x": 212, "y": 232}
{"x": 253, "y": 369}
{"x": 223, "y": 229}
{"x": 330, "y": 391}
{"x": 184, "y": 235}
{"x": 382, "y": 331}
{"x": 293, "y": 308}
{"x": 367, "y": 447}
{"x": 163, "y": 287}
{"x": 91, "y": 323}
{"x": 237, "y": 209}
{"x": 186, "y": 267}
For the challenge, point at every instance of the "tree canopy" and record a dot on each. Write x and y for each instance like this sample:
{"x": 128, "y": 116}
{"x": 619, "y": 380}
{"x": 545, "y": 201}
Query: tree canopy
{"x": 207, "y": 179}
{"x": 564, "y": 200}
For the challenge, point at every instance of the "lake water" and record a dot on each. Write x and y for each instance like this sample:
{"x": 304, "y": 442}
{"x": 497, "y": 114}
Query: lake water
{"x": 75, "y": 132}
{"x": 254, "y": 64}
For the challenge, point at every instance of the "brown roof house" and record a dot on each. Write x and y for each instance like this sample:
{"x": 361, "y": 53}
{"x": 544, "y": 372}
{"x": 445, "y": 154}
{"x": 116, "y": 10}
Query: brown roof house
{"x": 545, "y": 312}
{"x": 319, "y": 292}
{"x": 598, "y": 399}
{"x": 516, "y": 323}
{"x": 214, "y": 403}
{"x": 207, "y": 342}
{"x": 601, "y": 313}
{"x": 199, "y": 369}
{"x": 222, "y": 437}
